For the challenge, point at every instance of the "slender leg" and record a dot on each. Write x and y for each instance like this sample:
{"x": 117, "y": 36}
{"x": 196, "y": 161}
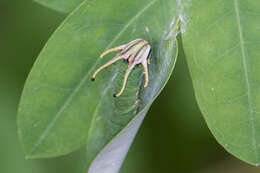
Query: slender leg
{"x": 106, "y": 65}
{"x": 144, "y": 64}
{"x": 118, "y": 48}
{"x": 128, "y": 71}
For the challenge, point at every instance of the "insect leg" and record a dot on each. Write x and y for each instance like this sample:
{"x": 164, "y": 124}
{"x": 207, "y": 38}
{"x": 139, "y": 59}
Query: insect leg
{"x": 128, "y": 71}
{"x": 105, "y": 66}
{"x": 144, "y": 64}
{"x": 118, "y": 48}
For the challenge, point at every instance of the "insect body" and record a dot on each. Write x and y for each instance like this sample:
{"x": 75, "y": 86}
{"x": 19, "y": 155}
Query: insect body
{"x": 135, "y": 52}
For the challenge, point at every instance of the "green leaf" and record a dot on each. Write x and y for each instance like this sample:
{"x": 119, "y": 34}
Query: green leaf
{"x": 62, "y": 110}
{"x": 221, "y": 43}
{"x": 110, "y": 158}
{"x": 60, "y": 5}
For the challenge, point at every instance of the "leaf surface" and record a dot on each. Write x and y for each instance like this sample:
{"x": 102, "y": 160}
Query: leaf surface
{"x": 221, "y": 42}
{"x": 62, "y": 110}
{"x": 61, "y": 5}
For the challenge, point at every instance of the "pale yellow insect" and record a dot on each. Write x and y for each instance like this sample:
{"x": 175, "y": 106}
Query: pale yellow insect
{"x": 135, "y": 52}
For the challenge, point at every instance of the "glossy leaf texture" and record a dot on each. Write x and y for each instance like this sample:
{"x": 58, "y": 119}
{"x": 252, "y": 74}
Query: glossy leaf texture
{"x": 61, "y": 110}
{"x": 221, "y": 43}
{"x": 61, "y": 5}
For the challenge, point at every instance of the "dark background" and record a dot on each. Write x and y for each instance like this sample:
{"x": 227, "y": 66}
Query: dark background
{"x": 173, "y": 138}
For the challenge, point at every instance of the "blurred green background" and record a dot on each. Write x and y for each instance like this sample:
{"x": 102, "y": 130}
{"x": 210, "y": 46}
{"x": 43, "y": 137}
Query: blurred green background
{"x": 173, "y": 138}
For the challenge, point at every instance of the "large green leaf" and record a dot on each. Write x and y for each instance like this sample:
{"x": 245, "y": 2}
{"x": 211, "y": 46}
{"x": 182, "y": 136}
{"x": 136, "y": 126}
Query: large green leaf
{"x": 64, "y": 6}
{"x": 62, "y": 110}
{"x": 221, "y": 43}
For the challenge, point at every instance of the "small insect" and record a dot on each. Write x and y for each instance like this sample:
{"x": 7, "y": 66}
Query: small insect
{"x": 134, "y": 53}
{"x": 139, "y": 102}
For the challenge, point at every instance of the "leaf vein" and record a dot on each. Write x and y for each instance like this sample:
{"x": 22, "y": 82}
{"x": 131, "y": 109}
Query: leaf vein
{"x": 248, "y": 87}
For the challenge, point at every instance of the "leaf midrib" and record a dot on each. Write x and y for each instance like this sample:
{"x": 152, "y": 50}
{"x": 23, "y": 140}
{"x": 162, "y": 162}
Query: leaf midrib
{"x": 248, "y": 86}
{"x": 81, "y": 83}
